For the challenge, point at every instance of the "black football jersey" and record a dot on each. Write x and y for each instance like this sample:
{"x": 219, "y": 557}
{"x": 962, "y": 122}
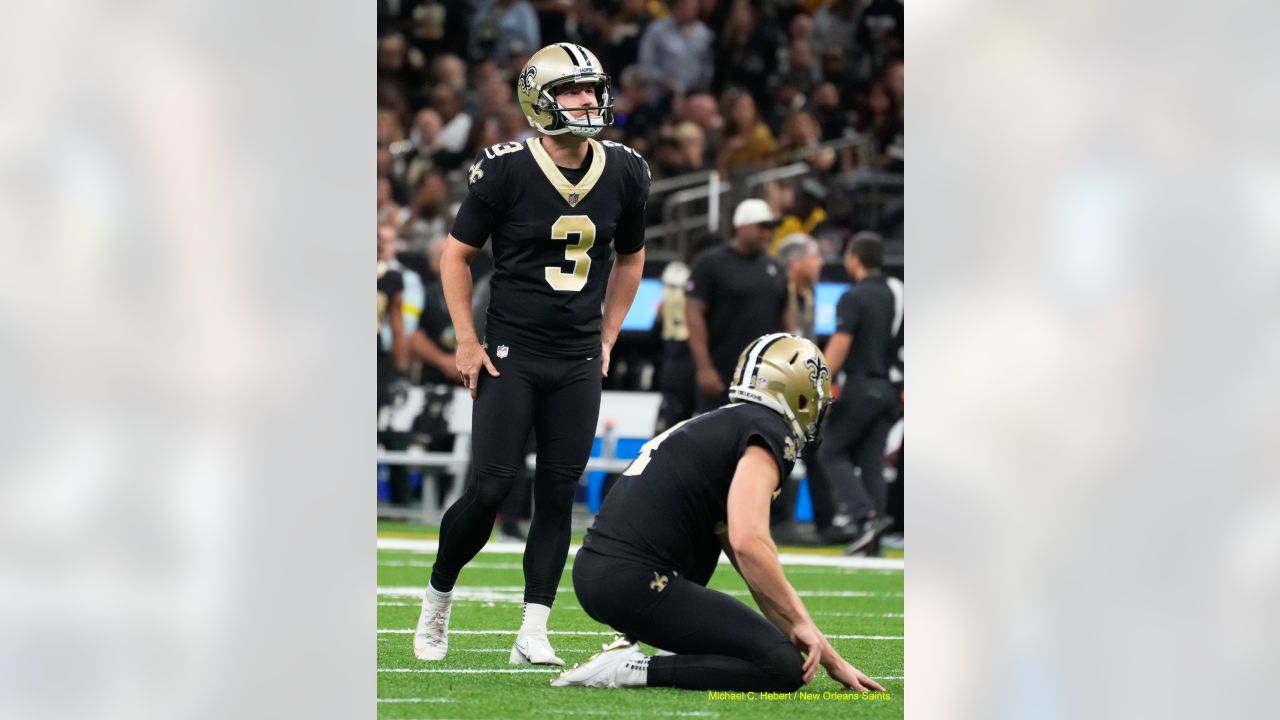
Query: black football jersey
{"x": 669, "y": 506}
{"x": 553, "y": 233}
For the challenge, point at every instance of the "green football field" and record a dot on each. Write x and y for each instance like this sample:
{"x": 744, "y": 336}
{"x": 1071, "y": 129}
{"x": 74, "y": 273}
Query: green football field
{"x": 859, "y": 608}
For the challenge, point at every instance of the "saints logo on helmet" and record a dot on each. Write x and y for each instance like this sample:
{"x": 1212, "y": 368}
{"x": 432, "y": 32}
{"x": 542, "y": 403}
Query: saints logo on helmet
{"x": 553, "y": 68}
{"x": 788, "y": 375}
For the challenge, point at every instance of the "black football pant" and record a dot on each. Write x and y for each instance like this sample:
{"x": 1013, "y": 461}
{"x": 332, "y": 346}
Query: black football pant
{"x": 560, "y": 399}
{"x": 721, "y": 644}
{"x": 852, "y": 449}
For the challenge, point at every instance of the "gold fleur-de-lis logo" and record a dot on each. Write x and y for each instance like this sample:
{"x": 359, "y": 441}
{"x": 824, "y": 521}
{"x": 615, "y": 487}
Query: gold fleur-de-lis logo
{"x": 659, "y": 582}
{"x": 789, "y": 451}
{"x": 475, "y": 173}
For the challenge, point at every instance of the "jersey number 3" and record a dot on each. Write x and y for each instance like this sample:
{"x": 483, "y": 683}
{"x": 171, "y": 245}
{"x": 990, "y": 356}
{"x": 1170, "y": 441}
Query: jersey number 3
{"x": 575, "y": 252}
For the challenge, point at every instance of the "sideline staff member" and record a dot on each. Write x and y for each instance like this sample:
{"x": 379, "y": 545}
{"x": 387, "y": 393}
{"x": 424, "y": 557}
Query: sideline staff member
{"x": 736, "y": 294}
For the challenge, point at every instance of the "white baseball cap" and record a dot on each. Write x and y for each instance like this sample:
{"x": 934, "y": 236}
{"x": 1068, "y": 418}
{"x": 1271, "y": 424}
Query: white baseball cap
{"x": 750, "y": 212}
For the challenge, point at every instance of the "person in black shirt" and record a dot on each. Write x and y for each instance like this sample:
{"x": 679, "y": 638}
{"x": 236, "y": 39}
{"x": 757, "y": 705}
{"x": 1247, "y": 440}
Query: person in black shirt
{"x": 862, "y": 347}
{"x": 557, "y": 207}
{"x": 699, "y": 488}
{"x": 736, "y": 293}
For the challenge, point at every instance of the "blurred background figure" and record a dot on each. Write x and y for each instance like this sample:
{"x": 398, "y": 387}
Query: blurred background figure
{"x": 736, "y": 293}
{"x": 862, "y": 347}
{"x": 679, "y": 49}
{"x": 677, "y": 379}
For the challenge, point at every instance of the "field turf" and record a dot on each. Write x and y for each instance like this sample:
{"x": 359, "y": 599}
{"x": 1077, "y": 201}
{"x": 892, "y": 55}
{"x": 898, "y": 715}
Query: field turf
{"x": 860, "y": 607}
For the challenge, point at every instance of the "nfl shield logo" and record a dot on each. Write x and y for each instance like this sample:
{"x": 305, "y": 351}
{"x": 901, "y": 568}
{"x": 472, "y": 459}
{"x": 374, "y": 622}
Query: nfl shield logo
{"x": 573, "y": 199}
{"x": 503, "y": 350}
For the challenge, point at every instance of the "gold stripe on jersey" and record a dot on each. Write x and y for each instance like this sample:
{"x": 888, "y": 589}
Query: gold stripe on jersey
{"x": 572, "y": 194}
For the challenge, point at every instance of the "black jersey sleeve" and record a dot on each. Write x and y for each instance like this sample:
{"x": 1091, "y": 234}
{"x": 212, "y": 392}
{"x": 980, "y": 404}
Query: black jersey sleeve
{"x": 629, "y": 237}
{"x": 476, "y": 221}
{"x": 779, "y": 445}
{"x": 485, "y": 205}
{"x": 847, "y": 313}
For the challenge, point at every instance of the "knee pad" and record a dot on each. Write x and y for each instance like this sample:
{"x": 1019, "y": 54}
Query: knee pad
{"x": 785, "y": 666}
{"x": 493, "y": 483}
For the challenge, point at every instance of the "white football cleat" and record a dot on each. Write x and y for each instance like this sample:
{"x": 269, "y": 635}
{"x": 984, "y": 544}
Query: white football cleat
{"x": 619, "y": 664}
{"x": 431, "y": 640}
{"x": 533, "y": 649}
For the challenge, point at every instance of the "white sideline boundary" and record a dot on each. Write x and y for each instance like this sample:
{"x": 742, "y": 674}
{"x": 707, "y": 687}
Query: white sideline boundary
{"x": 416, "y": 700}
{"x": 510, "y": 548}
{"x": 410, "y": 631}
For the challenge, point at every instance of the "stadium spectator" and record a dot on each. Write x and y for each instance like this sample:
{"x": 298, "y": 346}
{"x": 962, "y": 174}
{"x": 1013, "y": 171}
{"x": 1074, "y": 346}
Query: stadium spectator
{"x": 746, "y": 141}
{"x": 449, "y": 70}
{"x": 429, "y": 218}
{"x": 503, "y": 27}
{"x": 678, "y": 48}
{"x": 880, "y": 125}
{"x": 800, "y": 139}
{"x": 833, "y": 26}
{"x": 802, "y": 67}
{"x": 622, "y": 32}
{"x": 746, "y": 52}
{"x": 639, "y": 110}
{"x": 801, "y": 209}
{"x": 457, "y": 124}
{"x": 825, "y": 107}
{"x": 389, "y": 211}
{"x": 736, "y": 293}
{"x": 702, "y": 110}
{"x": 434, "y": 341}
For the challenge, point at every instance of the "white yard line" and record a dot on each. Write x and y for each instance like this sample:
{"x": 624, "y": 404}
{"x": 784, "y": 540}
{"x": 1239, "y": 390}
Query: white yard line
{"x": 840, "y": 561}
{"x": 505, "y": 593}
{"x": 410, "y": 631}
{"x": 469, "y": 670}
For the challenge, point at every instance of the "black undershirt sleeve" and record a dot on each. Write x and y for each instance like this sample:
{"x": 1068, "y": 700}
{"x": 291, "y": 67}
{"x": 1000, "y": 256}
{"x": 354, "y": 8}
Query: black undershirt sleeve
{"x": 629, "y": 237}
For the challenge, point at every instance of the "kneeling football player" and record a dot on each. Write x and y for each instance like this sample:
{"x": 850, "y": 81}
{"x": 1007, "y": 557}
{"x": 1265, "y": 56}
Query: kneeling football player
{"x": 700, "y": 487}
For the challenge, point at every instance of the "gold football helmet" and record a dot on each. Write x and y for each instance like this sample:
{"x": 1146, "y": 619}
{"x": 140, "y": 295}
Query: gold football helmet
{"x": 554, "y": 66}
{"x": 787, "y": 374}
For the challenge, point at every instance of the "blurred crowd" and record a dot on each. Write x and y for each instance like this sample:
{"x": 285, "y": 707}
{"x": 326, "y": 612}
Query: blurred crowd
{"x": 699, "y": 84}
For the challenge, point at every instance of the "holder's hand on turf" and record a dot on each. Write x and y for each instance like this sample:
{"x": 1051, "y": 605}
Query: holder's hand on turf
{"x": 470, "y": 358}
{"x": 806, "y": 638}
{"x": 842, "y": 672}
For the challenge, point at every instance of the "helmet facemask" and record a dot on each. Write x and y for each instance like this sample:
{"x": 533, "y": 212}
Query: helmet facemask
{"x": 597, "y": 118}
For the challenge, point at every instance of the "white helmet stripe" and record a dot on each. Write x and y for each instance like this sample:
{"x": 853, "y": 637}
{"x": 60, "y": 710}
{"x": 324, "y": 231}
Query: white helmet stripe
{"x": 753, "y": 359}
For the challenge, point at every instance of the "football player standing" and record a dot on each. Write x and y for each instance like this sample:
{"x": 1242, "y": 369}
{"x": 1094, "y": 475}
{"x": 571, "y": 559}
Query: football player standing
{"x": 703, "y": 486}
{"x": 557, "y": 207}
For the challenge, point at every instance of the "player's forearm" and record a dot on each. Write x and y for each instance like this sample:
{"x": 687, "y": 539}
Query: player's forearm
{"x": 837, "y": 349}
{"x": 759, "y": 566}
{"x": 455, "y": 275}
{"x": 425, "y": 348}
{"x": 624, "y": 280}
